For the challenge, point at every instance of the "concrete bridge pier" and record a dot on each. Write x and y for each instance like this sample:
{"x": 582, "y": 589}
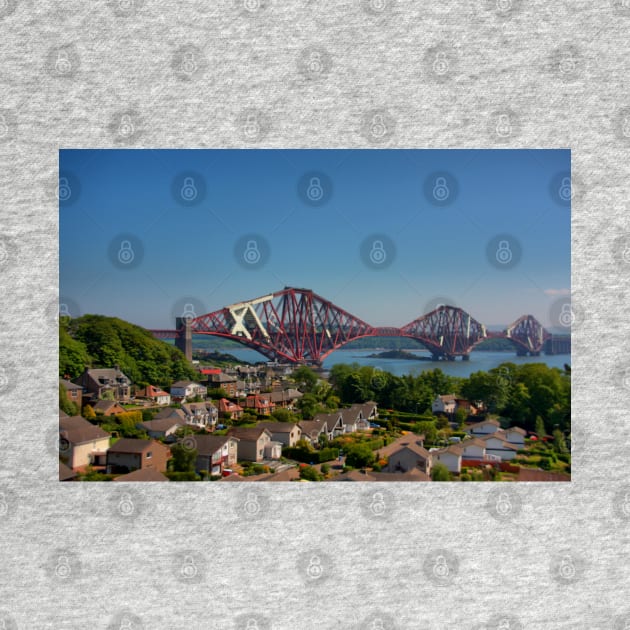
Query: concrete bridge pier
{"x": 184, "y": 336}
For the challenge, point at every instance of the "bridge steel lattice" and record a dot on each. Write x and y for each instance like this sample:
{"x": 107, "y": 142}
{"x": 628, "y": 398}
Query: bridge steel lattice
{"x": 299, "y": 326}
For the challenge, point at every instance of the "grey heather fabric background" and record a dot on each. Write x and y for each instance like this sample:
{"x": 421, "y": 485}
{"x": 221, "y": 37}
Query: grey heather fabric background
{"x": 70, "y": 71}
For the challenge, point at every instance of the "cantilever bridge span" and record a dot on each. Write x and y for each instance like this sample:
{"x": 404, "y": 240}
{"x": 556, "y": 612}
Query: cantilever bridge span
{"x": 299, "y": 326}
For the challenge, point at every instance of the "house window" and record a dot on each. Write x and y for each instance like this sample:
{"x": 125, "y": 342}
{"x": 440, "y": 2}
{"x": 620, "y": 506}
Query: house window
{"x": 149, "y": 455}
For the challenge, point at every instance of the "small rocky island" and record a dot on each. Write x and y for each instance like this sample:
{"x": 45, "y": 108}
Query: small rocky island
{"x": 398, "y": 354}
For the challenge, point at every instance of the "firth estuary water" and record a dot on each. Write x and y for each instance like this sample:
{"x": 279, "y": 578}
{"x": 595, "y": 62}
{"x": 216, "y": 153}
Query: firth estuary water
{"x": 478, "y": 361}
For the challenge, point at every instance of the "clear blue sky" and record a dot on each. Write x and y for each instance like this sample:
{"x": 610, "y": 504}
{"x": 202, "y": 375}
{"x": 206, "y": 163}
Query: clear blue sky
{"x": 441, "y": 250}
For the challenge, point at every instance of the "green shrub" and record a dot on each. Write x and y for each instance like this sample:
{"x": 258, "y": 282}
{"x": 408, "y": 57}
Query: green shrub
{"x": 182, "y": 476}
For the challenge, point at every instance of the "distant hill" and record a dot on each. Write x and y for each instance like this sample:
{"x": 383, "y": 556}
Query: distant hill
{"x": 100, "y": 341}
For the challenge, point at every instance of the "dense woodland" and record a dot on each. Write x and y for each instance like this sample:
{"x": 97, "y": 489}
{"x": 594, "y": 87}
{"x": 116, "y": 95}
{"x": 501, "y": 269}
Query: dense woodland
{"x": 100, "y": 341}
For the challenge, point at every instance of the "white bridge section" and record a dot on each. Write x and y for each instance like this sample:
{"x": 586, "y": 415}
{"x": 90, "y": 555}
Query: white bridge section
{"x": 244, "y": 313}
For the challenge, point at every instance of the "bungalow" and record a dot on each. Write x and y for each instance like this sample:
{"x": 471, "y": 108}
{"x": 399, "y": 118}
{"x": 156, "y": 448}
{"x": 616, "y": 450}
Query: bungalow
{"x": 108, "y": 408}
{"x": 81, "y": 443}
{"x": 256, "y": 444}
{"x": 262, "y": 405}
{"x": 369, "y": 410}
{"x": 444, "y": 404}
{"x": 451, "y": 457}
{"x": 287, "y": 433}
{"x": 154, "y": 394}
{"x": 129, "y": 454}
{"x": 245, "y": 388}
{"x": 470, "y": 408}
{"x": 215, "y": 453}
{"x": 164, "y": 428}
{"x": 186, "y": 390}
{"x": 485, "y": 427}
{"x": 202, "y": 415}
{"x": 498, "y": 445}
{"x": 410, "y": 455}
{"x": 473, "y": 449}
{"x": 350, "y": 418}
{"x": 312, "y": 429}
{"x": 285, "y": 398}
{"x": 74, "y": 393}
{"x": 516, "y": 436}
{"x": 230, "y": 410}
{"x": 105, "y": 382}
{"x": 333, "y": 422}
{"x": 226, "y": 382}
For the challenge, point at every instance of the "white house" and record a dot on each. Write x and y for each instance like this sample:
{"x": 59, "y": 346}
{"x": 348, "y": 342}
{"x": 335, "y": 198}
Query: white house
{"x": 485, "y": 427}
{"x": 473, "y": 449}
{"x": 451, "y": 457}
{"x": 203, "y": 415}
{"x": 444, "y": 404}
{"x": 184, "y": 390}
{"x": 497, "y": 445}
{"x": 516, "y": 436}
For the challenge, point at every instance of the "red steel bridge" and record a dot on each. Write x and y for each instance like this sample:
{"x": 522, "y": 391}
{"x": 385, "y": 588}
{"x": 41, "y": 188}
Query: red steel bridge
{"x": 299, "y": 326}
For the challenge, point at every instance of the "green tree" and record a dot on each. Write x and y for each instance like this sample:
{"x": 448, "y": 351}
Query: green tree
{"x": 305, "y": 379}
{"x": 184, "y": 458}
{"x": 426, "y": 428}
{"x": 440, "y": 472}
{"x": 360, "y": 456}
{"x": 540, "y": 427}
{"x": 282, "y": 415}
{"x": 88, "y": 413}
{"x": 67, "y": 406}
{"x": 460, "y": 417}
{"x": 310, "y": 474}
{"x": 559, "y": 442}
{"x": 309, "y": 406}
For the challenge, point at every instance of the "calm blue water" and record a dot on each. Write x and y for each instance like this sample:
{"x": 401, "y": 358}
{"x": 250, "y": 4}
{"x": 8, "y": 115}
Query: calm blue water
{"x": 478, "y": 361}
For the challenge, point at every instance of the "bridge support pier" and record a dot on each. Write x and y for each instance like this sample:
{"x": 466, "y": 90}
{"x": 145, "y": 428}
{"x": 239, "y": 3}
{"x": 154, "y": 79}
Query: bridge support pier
{"x": 465, "y": 357}
{"x": 184, "y": 336}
